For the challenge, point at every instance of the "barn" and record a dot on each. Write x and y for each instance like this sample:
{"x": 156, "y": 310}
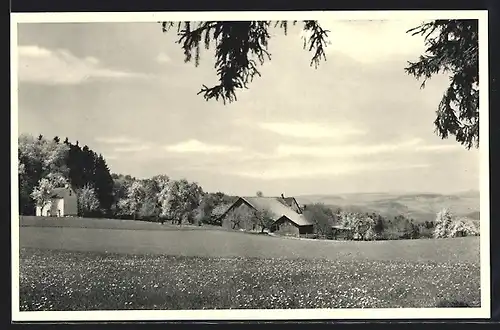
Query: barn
{"x": 287, "y": 215}
{"x": 292, "y": 226}
{"x": 63, "y": 202}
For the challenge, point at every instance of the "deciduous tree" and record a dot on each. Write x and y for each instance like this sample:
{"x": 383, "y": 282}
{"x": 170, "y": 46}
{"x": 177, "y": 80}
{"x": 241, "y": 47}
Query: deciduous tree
{"x": 88, "y": 203}
{"x": 240, "y": 218}
{"x": 362, "y": 225}
{"x": 135, "y": 198}
{"x": 42, "y": 193}
{"x": 264, "y": 219}
{"x": 181, "y": 201}
{"x": 37, "y": 158}
{"x": 321, "y": 216}
{"x": 463, "y": 227}
{"x": 121, "y": 184}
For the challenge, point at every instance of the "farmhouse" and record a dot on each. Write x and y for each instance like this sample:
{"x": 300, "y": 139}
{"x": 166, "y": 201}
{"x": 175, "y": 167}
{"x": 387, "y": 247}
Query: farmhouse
{"x": 286, "y": 213}
{"x": 63, "y": 203}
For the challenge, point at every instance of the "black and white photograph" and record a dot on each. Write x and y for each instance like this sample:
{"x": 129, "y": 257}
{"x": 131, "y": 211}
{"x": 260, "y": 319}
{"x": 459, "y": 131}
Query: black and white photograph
{"x": 260, "y": 165}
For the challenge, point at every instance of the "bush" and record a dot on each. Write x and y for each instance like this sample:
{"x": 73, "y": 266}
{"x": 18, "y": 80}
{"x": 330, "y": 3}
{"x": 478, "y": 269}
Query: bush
{"x": 462, "y": 228}
{"x": 390, "y": 235}
{"x": 426, "y": 233}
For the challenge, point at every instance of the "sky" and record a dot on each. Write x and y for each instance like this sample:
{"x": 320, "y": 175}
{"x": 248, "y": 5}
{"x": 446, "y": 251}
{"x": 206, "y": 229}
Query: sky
{"x": 357, "y": 123}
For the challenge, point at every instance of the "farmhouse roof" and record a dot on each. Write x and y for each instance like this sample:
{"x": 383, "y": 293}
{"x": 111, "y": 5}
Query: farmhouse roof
{"x": 290, "y": 201}
{"x": 279, "y": 209}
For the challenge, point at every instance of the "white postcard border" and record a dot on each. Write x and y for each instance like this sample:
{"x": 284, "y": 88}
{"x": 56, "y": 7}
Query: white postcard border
{"x": 299, "y": 314}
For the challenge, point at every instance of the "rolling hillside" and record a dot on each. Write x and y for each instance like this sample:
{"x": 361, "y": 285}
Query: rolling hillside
{"x": 419, "y": 206}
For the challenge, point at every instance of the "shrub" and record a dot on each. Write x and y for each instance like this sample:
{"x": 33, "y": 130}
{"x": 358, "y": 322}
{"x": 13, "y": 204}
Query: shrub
{"x": 426, "y": 233}
{"x": 448, "y": 227}
{"x": 463, "y": 227}
{"x": 389, "y": 235}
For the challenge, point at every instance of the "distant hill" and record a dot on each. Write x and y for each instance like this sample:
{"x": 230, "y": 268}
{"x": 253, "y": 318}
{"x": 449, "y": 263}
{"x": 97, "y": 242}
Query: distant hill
{"x": 419, "y": 206}
{"x": 473, "y": 215}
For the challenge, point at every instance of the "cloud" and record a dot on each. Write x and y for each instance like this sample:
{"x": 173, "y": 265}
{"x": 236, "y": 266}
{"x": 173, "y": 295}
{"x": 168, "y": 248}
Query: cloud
{"x": 163, "y": 58}
{"x": 296, "y": 170}
{"x": 439, "y": 148}
{"x": 310, "y": 130}
{"x": 290, "y": 163}
{"x": 45, "y": 66}
{"x": 299, "y": 161}
{"x": 372, "y": 41}
{"x": 33, "y": 51}
{"x": 412, "y": 145}
{"x": 116, "y": 140}
{"x": 125, "y": 144}
{"x": 133, "y": 148}
{"x": 195, "y": 146}
{"x": 343, "y": 150}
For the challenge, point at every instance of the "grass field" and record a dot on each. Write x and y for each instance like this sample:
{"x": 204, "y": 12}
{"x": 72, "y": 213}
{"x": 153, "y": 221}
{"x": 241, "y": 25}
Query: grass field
{"x": 77, "y": 268}
{"x": 33, "y": 221}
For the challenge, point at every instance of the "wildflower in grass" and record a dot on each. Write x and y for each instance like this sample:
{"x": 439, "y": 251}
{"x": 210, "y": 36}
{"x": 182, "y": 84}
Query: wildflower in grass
{"x": 208, "y": 283}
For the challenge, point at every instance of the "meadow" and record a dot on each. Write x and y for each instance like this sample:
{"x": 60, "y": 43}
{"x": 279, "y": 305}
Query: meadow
{"x": 88, "y": 268}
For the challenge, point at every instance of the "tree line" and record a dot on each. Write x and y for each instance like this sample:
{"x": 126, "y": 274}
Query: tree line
{"x": 47, "y": 164}
{"x": 372, "y": 226}
{"x": 161, "y": 199}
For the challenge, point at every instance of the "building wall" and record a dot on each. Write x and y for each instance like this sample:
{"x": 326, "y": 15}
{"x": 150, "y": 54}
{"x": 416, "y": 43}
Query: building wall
{"x": 240, "y": 217}
{"x": 306, "y": 229}
{"x": 285, "y": 227}
{"x": 43, "y": 212}
{"x": 59, "y": 207}
{"x": 70, "y": 205}
{"x": 49, "y": 209}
